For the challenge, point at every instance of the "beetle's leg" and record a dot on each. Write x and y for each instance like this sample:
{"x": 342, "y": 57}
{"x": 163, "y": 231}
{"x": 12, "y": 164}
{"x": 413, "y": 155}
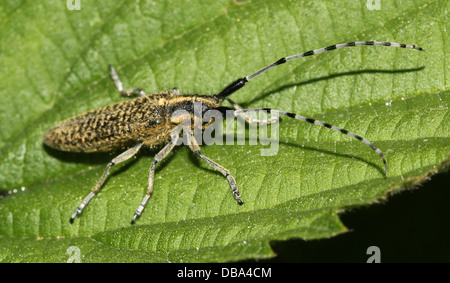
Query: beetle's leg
{"x": 193, "y": 145}
{"x": 175, "y": 91}
{"x": 119, "y": 159}
{"x": 158, "y": 157}
{"x": 248, "y": 119}
{"x": 124, "y": 92}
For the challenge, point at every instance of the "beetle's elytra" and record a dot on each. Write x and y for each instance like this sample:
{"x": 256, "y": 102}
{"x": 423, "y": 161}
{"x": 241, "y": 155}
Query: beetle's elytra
{"x": 151, "y": 120}
{"x": 145, "y": 119}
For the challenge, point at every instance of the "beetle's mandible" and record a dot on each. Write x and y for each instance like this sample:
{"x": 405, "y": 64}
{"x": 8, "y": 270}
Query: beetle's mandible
{"x": 151, "y": 120}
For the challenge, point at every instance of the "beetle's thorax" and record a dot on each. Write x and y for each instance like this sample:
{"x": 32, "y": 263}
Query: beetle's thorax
{"x": 188, "y": 102}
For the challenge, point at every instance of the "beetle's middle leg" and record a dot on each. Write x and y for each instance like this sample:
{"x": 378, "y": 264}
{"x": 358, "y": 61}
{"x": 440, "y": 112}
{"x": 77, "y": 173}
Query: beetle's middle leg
{"x": 151, "y": 178}
{"x": 119, "y": 159}
{"x": 124, "y": 92}
{"x": 138, "y": 91}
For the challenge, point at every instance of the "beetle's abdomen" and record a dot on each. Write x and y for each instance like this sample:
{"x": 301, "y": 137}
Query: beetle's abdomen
{"x": 111, "y": 127}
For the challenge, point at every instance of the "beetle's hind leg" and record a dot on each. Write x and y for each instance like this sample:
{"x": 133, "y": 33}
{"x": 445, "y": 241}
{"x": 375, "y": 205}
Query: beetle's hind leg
{"x": 119, "y": 159}
{"x": 124, "y": 92}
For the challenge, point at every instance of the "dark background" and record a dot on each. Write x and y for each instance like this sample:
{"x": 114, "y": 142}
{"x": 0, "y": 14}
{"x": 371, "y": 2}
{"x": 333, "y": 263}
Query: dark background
{"x": 412, "y": 226}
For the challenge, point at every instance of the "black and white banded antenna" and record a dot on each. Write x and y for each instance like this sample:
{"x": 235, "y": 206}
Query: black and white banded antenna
{"x": 320, "y": 123}
{"x": 239, "y": 83}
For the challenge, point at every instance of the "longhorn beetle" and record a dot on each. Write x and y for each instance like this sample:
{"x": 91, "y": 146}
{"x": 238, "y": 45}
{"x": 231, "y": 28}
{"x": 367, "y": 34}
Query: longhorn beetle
{"x": 151, "y": 120}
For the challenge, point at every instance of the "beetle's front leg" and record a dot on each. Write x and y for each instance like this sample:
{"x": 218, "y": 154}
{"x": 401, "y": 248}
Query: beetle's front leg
{"x": 193, "y": 145}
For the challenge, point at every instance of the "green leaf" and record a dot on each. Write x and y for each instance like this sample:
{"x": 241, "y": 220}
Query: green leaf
{"x": 54, "y": 65}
